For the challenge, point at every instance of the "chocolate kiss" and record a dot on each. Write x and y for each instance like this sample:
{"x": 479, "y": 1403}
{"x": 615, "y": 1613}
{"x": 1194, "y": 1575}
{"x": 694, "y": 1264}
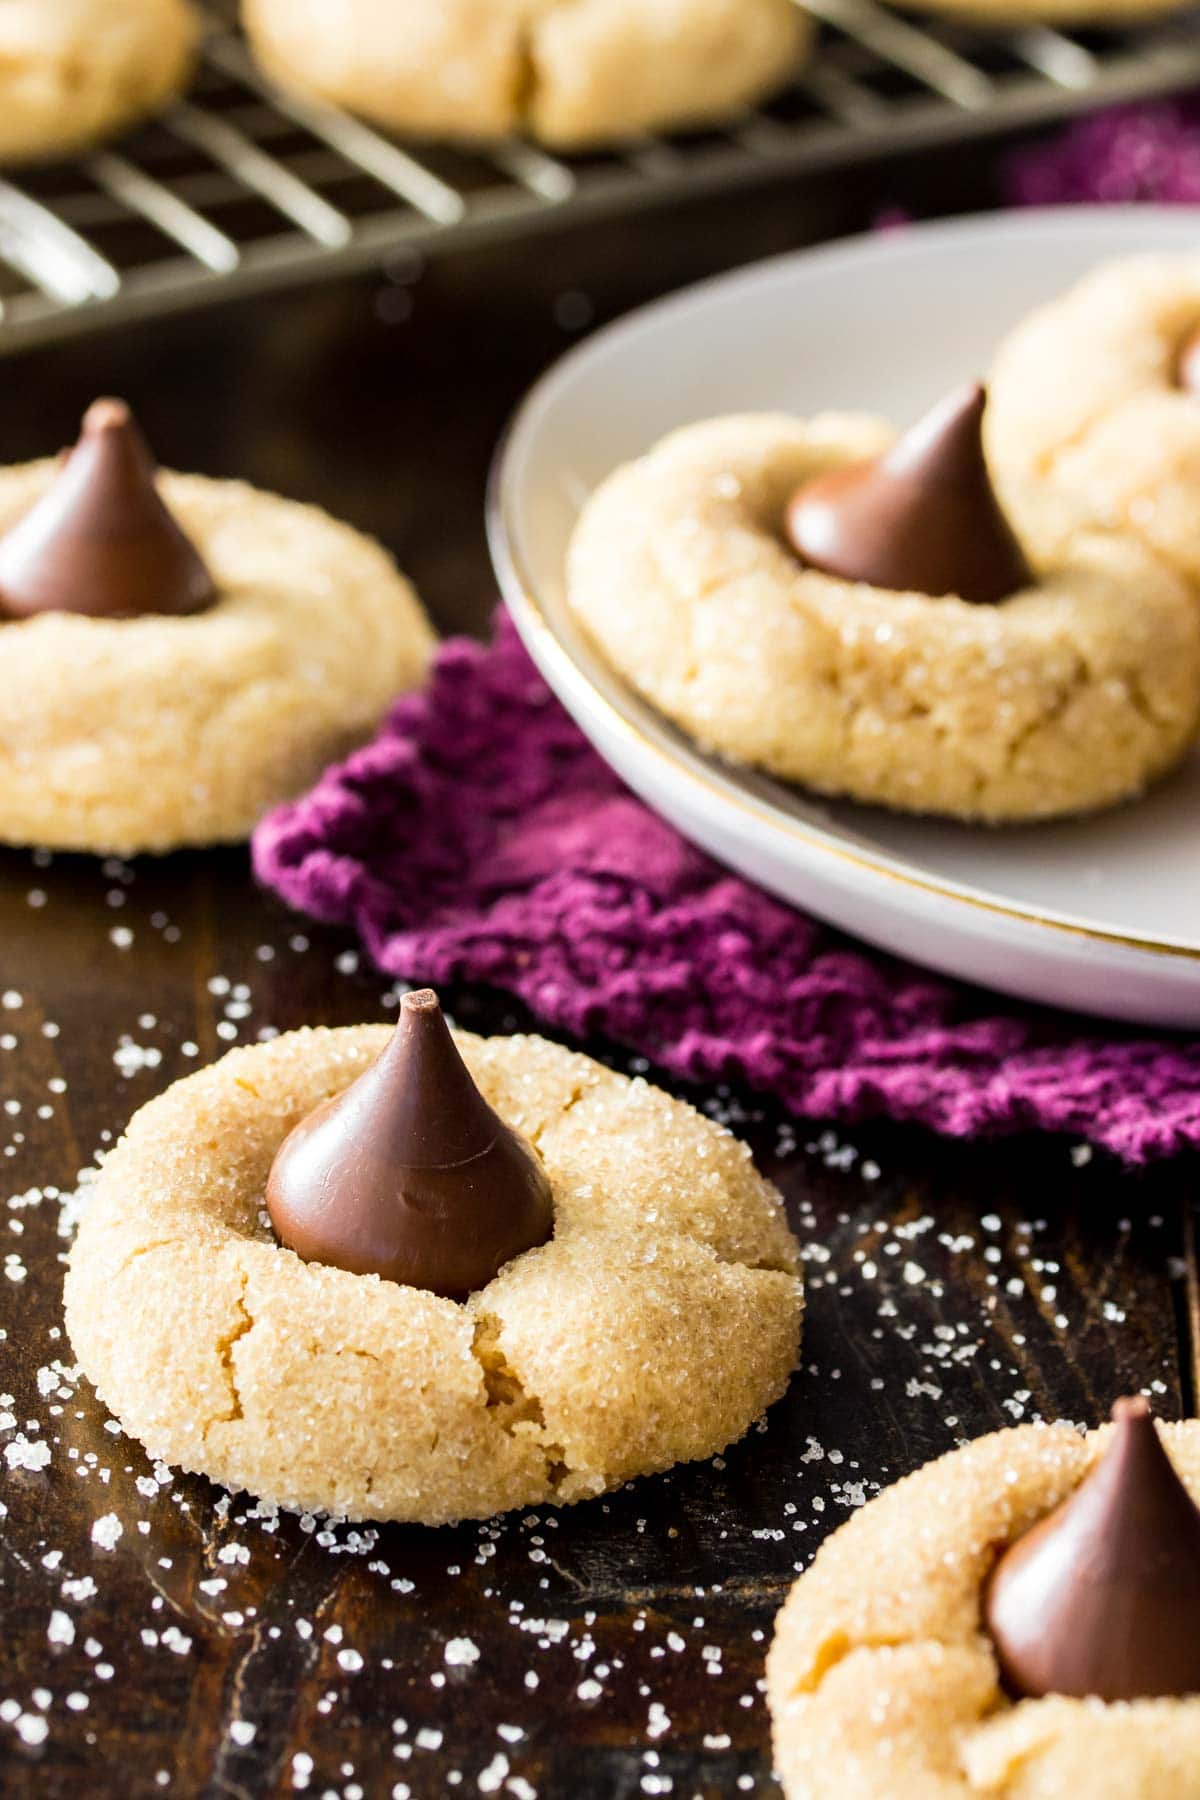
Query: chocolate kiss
{"x": 1103, "y": 1596}
{"x": 923, "y": 519}
{"x": 1187, "y": 370}
{"x": 409, "y": 1174}
{"x": 100, "y": 541}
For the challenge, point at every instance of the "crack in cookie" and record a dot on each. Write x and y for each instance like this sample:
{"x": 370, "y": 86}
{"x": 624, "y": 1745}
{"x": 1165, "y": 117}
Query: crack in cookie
{"x": 224, "y": 1348}
{"x": 507, "y": 1396}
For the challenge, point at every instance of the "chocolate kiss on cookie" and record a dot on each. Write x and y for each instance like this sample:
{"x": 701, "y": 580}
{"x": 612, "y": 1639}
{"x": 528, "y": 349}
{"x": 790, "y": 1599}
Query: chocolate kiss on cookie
{"x": 100, "y": 541}
{"x": 1103, "y": 1596}
{"x": 922, "y": 519}
{"x": 1187, "y": 369}
{"x": 409, "y": 1173}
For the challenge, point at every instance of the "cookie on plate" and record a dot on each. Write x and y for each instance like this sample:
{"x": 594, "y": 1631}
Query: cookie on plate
{"x": 414, "y": 1276}
{"x": 1016, "y": 1620}
{"x": 1095, "y": 414}
{"x": 855, "y": 614}
{"x": 577, "y": 75}
{"x": 75, "y": 71}
{"x": 179, "y": 654}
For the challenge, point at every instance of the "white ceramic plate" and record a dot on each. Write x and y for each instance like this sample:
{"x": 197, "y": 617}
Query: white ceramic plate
{"x": 1101, "y": 914}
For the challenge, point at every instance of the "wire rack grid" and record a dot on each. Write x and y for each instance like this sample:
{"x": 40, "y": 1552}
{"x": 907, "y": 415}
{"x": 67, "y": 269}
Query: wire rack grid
{"x": 240, "y": 187}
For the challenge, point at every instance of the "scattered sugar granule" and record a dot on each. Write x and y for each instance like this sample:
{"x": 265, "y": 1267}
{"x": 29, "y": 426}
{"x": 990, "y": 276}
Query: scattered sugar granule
{"x": 460, "y": 1652}
{"x": 350, "y": 1660}
{"x": 106, "y": 1531}
{"x": 26, "y": 1453}
{"x": 132, "y": 1058}
{"x": 242, "y": 1731}
{"x": 491, "y": 1778}
{"x": 61, "y": 1629}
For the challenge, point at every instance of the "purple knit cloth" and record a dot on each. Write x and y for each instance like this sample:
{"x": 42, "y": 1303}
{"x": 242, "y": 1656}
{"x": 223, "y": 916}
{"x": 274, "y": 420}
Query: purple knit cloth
{"x": 1143, "y": 153}
{"x": 479, "y": 838}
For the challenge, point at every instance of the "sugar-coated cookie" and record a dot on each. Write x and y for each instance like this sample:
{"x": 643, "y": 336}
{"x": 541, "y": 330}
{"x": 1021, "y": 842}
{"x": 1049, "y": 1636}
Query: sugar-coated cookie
{"x": 75, "y": 71}
{"x": 572, "y": 74}
{"x": 1071, "y": 693}
{"x": 178, "y": 654}
{"x": 654, "y": 1326}
{"x": 885, "y": 1676}
{"x": 1094, "y": 422}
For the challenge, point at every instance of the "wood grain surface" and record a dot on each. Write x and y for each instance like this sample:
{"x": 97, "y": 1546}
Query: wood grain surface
{"x": 162, "y": 1638}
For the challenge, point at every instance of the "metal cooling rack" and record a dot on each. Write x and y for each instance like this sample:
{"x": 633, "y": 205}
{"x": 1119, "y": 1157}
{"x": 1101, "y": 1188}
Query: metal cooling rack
{"x": 240, "y": 188}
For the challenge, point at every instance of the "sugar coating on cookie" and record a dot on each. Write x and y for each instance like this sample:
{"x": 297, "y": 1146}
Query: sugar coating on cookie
{"x": 572, "y": 74}
{"x": 659, "y": 1322}
{"x": 147, "y": 733}
{"x": 1089, "y": 426}
{"x": 75, "y": 71}
{"x": 1068, "y": 695}
{"x": 883, "y": 1682}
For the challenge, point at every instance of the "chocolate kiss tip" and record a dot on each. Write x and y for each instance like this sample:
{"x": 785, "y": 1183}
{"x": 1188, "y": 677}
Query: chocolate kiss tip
{"x": 921, "y": 519}
{"x": 106, "y": 415}
{"x": 1102, "y": 1597}
{"x": 100, "y": 540}
{"x": 409, "y": 1174}
{"x": 420, "y": 1000}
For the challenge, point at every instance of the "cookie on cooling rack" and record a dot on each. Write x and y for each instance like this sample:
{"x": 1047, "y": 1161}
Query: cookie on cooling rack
{"x": 420, "y": 1276}
{"x": 1016, "y": 1619}
{"x": 589, "y": 73}
{"x": 1095, "y": 414}
{"x": 854, "y": 614}
{"x": 75, "y": 71}
{"x": 179, "y": 654}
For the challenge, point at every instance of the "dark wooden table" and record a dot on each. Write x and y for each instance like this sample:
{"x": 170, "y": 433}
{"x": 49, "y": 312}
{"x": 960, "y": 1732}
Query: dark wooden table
{"x": 612, "y": 1649}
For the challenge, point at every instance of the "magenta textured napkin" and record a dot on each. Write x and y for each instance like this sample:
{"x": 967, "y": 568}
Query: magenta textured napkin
{"x": 1149, "y": 152}
{"x": 480, "y": 838}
